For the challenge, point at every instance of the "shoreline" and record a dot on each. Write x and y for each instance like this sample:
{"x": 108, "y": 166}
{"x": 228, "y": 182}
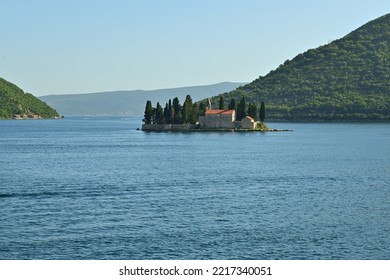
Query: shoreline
{"x": 188, "y": 129}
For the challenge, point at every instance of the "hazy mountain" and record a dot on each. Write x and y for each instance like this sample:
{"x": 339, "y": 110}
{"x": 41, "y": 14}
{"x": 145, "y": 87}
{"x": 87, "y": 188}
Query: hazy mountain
{"x": 348, "y": 79}
{"x": 14, "y": 101}
{"x": 128, "y": 102}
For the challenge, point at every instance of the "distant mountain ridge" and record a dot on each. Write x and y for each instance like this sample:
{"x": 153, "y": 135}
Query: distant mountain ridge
{"x": 14, "y": 101}
{"x": 129, "y": 102}
{"x": 348, "y": 79}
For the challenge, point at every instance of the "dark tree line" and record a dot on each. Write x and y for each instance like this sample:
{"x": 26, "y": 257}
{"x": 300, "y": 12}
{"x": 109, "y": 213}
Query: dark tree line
{"x": 189, "y": 112}
{"x": 243, "y": 110}
{"x": 174, "y": 112}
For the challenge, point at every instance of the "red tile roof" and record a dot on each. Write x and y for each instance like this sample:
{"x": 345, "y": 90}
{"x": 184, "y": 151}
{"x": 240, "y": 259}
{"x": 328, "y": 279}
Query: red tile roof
{"x": 219, "y": 112}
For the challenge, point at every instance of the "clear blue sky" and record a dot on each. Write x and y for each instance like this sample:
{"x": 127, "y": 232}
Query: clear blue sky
{"x": 76, "y": 46}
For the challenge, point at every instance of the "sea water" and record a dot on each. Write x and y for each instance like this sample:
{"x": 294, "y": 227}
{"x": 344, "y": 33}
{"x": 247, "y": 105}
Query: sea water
{"x": 97, "y": 188}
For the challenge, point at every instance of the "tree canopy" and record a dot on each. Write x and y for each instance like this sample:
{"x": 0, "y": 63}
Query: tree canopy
{"x": 173, "y": 112}
{"x": 241, "y": 109}
{"x": 262, "y": 112}
{"x": 253, "y": 111}
{"x": 233, "y": 104}
{"x": 221, "y": 103}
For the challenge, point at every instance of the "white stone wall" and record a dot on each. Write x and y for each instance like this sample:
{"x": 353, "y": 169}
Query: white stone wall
{"x": 167, "y": 127}
{"x": 248, "y": 124}
{"x": 202, "y": 120}
{"x": 219, "y": 121}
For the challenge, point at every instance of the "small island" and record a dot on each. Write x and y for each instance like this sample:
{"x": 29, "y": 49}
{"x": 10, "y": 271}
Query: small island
{"x": 200, "y": 117}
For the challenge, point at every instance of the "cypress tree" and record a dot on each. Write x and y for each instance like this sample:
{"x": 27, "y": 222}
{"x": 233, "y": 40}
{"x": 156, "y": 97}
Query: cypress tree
{"x": 159, "y": 114}
{"x": 233, "y": 104}
{"x": 253, "y": 111}
{"x": 184, "y": 112}
{"x": 241, "y": 109}
{"x": 195, "y": 113}
{"x": 187, "y": 109}
{"x": 166, "y": 113}
{"x": 148, "y": 112}
{"x": 170, "y": 118}
{"x": 262, "y": 112}
{"x": 202, "y": 109}
{"x": 221, "y": 105}
{"x": 176, "y": 111}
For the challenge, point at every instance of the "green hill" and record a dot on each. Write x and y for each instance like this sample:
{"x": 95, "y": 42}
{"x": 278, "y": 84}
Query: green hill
{"x": 13, "y": 101}
{"x": 348, "y": 79}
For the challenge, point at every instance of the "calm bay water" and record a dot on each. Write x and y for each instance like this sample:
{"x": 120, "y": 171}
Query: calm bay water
{"x": 96, "y": 188}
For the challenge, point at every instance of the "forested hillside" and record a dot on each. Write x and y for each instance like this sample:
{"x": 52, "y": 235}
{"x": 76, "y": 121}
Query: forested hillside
{"x": 13, "y": 101}
{"x": 348, "y": 79}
